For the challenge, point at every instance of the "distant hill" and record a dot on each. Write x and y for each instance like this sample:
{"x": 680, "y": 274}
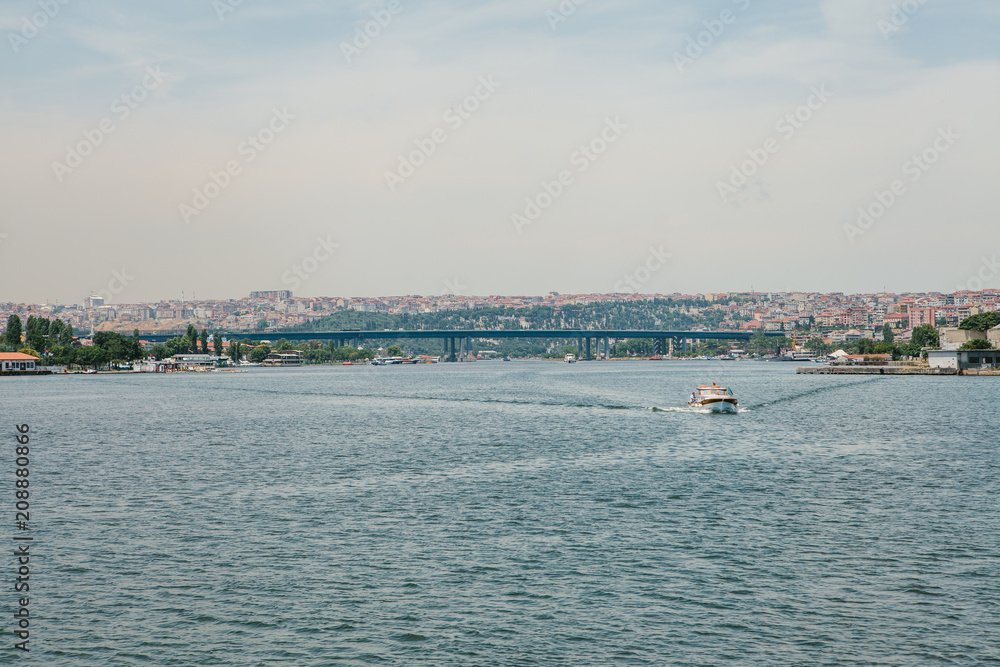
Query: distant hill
{"x": 654, "y": 314}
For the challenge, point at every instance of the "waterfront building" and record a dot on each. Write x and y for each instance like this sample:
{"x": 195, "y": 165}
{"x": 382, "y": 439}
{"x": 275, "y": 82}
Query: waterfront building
{"x": 195, "y": 360}
{"x": 286, "y": 358}
{"x": 953, "y": 338}
{"x": 963, "y": 359}
{"x": 11, "y": 362}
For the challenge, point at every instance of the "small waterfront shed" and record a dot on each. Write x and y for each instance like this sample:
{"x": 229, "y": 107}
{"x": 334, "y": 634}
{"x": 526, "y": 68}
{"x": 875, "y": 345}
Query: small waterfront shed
{"x": 17, "y": 361}
{"x": 962, "y": 359}
{"x": 942, "y": 359}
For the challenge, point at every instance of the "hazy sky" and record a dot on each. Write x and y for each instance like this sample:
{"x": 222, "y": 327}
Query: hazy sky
{"x": 631, "y": 125}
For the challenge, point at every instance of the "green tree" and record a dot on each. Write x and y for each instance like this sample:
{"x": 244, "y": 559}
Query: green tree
{"x": 394, "y": 351}
{"x": 35, "y": 331}
{"x": 93, "y": 356}
{"x": 13, "y": 334}
{"x": 218, "y": 344}
{"x": 882, "y": 347}
{"x": 204, "y": 341}
{"x": 887, "y": 334}
{"x": 976, "y": 344}
{"x": 66, "y": 335}
{"x": 118, "y": 348}
{"x": 192, "y": 339}
{"x": 925, "y": 336}
{"x": 817, "y": 345}
{"x": 234, "y": 351}
{"x": 259, "y": 354}
{"x": 759, "y": 342}
{"x": 980, "y": 322}
{"x": 179, "y": 345}
{"x": 55, "y": 332}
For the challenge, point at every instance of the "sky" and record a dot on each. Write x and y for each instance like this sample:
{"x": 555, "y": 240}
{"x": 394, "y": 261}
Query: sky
{"x": 209, "y": 148}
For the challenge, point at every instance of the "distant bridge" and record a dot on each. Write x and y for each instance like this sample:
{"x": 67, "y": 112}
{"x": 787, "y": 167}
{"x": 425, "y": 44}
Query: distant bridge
{"x": 457, "y": 342}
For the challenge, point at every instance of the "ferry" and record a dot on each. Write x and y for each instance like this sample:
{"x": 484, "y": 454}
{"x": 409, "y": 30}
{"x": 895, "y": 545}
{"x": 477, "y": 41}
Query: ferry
{"x": 715, "y": 398}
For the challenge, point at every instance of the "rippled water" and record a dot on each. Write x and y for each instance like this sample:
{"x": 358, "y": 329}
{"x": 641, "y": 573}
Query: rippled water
{"x": 525, "y": 513}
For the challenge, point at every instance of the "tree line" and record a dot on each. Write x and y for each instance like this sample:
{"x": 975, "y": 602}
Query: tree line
{"x": 653, "y": 314}
{"x": 39, "y": 333}
{"x": 923, "y": 336}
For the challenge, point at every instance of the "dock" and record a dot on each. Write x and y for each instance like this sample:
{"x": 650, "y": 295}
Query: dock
{"x": 875, "y": 370}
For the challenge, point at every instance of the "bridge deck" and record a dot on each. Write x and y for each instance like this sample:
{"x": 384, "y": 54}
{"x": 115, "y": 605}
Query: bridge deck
{"x": 476, "y": 333}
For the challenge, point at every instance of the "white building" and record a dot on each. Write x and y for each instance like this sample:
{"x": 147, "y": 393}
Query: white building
{"x": 962, "y": 359}
{"x": 17, "y": 362}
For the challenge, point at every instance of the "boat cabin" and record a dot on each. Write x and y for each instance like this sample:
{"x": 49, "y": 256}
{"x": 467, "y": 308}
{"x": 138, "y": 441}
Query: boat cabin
{"x": 706, "y": 391}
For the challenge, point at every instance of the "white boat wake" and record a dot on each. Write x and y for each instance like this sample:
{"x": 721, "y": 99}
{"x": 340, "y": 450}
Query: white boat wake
{"x": 693, "y": 411}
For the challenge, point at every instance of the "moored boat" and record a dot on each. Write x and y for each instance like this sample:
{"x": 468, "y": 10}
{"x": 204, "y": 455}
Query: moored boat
{"x": 714, "y": 398}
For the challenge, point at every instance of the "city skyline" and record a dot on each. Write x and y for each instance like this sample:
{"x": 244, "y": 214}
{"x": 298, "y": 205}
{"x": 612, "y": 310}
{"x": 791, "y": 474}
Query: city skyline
{"x": 427, "y": 147}
{"x": 277, "y": 310}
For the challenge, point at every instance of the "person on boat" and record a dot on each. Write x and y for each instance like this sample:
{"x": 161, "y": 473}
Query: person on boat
{"x": 693, "y": 398}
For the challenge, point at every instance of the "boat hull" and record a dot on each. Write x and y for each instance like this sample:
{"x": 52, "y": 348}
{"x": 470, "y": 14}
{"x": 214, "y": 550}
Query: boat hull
{"x": 721, "y": 405}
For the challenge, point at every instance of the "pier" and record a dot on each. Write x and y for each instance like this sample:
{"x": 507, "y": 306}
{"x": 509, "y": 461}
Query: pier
{"x": 875, "y": 370}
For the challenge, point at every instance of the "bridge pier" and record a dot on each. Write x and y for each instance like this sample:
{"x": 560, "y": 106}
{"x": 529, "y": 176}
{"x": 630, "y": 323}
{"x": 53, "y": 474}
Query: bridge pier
{"x": 589, "y": 356}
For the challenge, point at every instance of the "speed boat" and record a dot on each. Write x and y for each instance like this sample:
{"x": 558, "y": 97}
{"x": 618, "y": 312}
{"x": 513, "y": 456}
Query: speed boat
{"x": 714, "y": 398}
